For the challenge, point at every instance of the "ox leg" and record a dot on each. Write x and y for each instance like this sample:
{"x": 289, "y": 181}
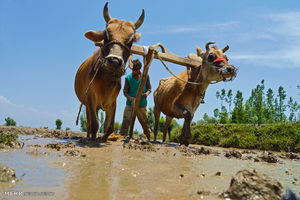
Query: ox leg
{"x": 166, "y": 128}
{"x": 186, "y": 130}
{"x": 156, "y": 117}
{"x": 186, "y": 135}
{"x": 92, "y": 122}
{"x": 109, "y": 122}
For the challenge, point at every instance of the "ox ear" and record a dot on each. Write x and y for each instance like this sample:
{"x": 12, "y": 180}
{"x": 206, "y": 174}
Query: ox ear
{"x": 200, "y": 53}
{"x": 95, "y": 36}
{"x": 137, "y": 36}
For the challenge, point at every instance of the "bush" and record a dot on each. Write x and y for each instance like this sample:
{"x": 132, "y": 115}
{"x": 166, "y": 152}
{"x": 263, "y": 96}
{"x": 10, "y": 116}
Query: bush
{"x": 276, "y": 137}
{"x": 10, "y": 122}
{"x": 58, "y": 123}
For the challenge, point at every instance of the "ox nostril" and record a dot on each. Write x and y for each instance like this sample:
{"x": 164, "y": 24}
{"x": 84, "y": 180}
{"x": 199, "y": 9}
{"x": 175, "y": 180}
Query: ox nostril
{"x": 229, "y": 70}
{"x": 114, "y": 61}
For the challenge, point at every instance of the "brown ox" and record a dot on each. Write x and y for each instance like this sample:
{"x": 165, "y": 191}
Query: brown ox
{"x": 179, "y": 99}
{"x": 116, "y": 42}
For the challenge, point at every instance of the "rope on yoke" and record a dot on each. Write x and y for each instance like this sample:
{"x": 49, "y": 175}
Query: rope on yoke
{"x": 168, "y": 69}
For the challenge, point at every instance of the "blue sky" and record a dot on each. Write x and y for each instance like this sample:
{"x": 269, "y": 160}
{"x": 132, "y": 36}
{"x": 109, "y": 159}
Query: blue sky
{"x": 42, "y": 44}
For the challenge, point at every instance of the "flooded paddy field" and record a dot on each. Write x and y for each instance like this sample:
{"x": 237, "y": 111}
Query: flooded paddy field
{"x": 71, "y": 167}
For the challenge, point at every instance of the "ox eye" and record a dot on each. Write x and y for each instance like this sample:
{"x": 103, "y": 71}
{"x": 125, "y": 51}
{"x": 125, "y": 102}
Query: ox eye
{"x": 211, "y": 57}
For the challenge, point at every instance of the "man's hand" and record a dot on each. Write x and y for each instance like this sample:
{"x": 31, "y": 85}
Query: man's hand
{"x": 132, "y": 100}
{"x": 145, "y": 95}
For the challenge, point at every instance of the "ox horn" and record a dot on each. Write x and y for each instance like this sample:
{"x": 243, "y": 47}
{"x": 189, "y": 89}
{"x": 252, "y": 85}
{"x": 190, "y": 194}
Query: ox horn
{"x": 207, "y": 45}
{"x": 225, "y": 49}
{"x": 140, "y": 21}
{"x": 106, "y": 13}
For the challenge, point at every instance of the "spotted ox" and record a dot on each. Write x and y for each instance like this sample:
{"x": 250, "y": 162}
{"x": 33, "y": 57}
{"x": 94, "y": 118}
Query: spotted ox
{"x": 108, "y": 65}
{"x": 178, "y": 99}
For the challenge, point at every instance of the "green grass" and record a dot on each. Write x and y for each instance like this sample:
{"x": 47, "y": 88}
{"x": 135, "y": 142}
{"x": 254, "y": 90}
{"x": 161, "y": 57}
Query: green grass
{"x": 275, "y": 137}
{"x": 9, "y": 139}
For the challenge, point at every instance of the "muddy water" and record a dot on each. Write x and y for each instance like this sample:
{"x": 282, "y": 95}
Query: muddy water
{"x": 113, "y": 172}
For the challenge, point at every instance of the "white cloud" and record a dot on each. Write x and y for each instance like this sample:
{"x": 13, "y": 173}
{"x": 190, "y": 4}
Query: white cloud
{"x": 288, "y": 24}
{"x": 4, "y": 100}
{"x": 282, "y": 31}
{"x": 223, "y": 26}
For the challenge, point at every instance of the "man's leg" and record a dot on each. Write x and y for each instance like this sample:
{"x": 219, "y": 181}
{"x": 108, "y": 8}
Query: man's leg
{"x": 143, "y": 119}
{"x": 126, "y": 120}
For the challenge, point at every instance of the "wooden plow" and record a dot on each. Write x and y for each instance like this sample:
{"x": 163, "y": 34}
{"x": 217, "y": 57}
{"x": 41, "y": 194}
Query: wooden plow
{"x": 151, "y": 53}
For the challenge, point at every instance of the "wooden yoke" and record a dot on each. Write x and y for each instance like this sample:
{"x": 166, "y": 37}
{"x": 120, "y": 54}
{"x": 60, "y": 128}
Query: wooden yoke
{"x": 167, "y": 56}
{"x": 147, "y": 62}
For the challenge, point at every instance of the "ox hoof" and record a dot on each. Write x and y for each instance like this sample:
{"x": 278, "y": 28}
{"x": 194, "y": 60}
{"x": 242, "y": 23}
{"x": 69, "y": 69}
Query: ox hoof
{"x": 184, "y": 142}
{"x": 126, "y": 140}
{"x": 103, "y": 139}
{"x": 155, "y": 142}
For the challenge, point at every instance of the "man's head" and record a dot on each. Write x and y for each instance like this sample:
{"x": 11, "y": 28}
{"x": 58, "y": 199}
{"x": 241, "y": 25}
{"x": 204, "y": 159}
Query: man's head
{"x": 136, "y": 67}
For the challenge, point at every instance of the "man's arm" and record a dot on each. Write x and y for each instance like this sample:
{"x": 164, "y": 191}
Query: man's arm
{"x": 125, "y": 91}
{"x": 148, "y": 87}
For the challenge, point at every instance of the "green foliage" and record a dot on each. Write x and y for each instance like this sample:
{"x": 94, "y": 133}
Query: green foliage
{"x": 207, "y": 119}
{"x": 58, "y": 123}
{"x": 151, "y": 118}
{"x": 68, "y": 129}
{"x": 276, "y": 137}
{"x": 83, "y": 123}
{"x": 259, "y": 108}
{"x": 10, "y": 139}
{"x": 117, "y": 128}
{"x": 101, "y": 121}
{"x": 281, "y": 106}
{"x": 10, "y": 122}
{"x": 161, "y": 124}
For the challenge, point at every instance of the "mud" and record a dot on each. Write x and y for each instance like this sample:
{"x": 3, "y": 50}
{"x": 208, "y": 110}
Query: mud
{"x": 74, "y": 153}
{"x": 59, "y": 146}
{"x": 74, "y": 167}
{"x": 140, "y": 144}
{"x": 7, "y": 174}
{"x": 247, "y": 185}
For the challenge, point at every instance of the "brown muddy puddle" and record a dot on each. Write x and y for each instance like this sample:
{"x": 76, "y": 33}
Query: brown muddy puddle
{"x": 113, "y": 172}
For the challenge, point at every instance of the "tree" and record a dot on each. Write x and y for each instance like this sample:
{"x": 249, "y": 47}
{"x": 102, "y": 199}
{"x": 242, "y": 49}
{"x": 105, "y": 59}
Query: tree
{"x": 270, "y": 108}
{"x": 258, "y": 103}
{"x": 151, "y": 118}
{"x": 161, "y": 124}
{"x": 117, "y": 126}
{"x": 293, "y": 107}
{"x": 224, "y": 115}
{"x": 82, "y": 118}
{"x": 238, "y": 113}
{"x": 58, "y": 123}
{"x": 216, "y": 113}
{"x": 208, "y": 119}
{"x": 101, "y": 130}
{"x": 282, "y": 106}
{"x": 228, "y": 99}
{"x": 221, "y": 95}
{"x": 10, "y": 122}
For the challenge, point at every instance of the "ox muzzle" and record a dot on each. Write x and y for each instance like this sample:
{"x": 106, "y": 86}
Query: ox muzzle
{"x": 227, "y": 71}
{"x": 116, "y": 54}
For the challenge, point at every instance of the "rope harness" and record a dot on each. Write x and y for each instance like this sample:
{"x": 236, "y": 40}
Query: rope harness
{"x": 156, "y": 52}
{"x": 98, "y": 66}
{"x": 87, "y": 89}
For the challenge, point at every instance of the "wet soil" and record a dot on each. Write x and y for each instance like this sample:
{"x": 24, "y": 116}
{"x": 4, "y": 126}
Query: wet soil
{"x": 73, "y": 167}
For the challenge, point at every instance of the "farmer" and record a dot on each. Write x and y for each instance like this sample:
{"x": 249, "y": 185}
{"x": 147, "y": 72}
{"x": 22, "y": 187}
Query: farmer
{"x": 132, "y": 83}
